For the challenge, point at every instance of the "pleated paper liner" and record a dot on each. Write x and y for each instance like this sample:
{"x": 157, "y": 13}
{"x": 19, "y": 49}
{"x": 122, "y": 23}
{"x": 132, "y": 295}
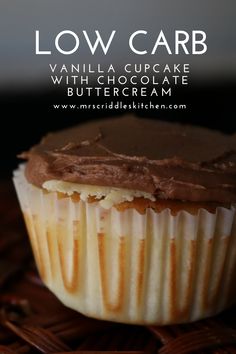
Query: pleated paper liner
{"x": 34, "y": 321}
{"x": 152, "y": 268}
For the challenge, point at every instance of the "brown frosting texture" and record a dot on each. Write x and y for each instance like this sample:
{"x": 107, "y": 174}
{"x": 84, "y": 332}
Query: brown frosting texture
{"x": 171, "y": 161}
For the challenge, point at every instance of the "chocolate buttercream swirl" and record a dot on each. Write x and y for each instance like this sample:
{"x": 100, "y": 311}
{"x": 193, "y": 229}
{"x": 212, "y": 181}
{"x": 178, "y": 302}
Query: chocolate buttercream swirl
{"x": 171, "y": 161}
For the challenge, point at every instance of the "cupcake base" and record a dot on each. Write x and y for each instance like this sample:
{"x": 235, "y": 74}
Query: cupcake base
{"x": 152, "y": 268}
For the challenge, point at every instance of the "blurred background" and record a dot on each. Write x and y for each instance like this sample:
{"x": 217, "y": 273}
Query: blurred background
{"x": 26, "y": 91}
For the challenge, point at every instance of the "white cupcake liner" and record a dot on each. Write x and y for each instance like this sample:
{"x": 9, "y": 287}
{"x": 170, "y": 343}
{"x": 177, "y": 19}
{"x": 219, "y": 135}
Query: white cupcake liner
{"x": 152, "y": 268}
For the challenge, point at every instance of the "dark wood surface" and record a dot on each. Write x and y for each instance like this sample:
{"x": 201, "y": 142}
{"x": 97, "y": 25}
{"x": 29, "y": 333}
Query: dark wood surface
{"x": 32, "y": 320}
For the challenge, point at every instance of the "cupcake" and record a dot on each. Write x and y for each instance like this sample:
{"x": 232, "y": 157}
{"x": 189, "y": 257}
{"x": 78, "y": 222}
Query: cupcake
{"x": 133, "y": 220}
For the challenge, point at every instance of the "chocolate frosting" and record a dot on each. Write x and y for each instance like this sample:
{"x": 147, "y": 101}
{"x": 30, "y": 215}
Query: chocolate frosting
{"x": 172, "y": 161}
